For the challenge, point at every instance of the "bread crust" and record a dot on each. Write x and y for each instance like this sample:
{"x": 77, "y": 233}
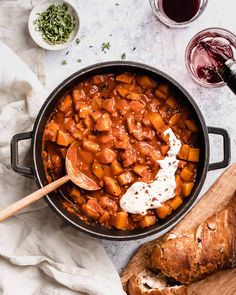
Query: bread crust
{"x": 209, "y": 248}
{"x": 135, "y": 287}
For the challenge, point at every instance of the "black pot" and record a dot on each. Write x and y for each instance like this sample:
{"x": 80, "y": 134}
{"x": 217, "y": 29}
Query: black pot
{"x": 54, "y": 199}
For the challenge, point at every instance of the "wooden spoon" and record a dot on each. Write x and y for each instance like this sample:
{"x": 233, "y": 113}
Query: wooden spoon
{"x": 73, "y": 174}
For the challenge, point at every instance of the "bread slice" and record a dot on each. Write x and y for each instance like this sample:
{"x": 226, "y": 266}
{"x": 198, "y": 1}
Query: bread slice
{"x": 148, "y": 283}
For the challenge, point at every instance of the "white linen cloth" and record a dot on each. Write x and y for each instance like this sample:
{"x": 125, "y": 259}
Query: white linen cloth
{"x": 38, "y": 253}
{"x": 14, "y": 32}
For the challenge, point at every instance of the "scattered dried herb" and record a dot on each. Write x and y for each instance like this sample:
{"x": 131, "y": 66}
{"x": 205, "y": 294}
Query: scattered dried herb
{"x": 77, "y": 40}
{"x": 79, "y": 60}
{"x": 106, "y": 46}
{"x": 55, "y": 24}
{"x": 64, "y": 62}
{"x": 123, "y": 55}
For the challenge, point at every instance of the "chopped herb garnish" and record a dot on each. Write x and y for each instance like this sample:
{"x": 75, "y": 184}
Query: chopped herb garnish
{"x": 90, "y": 46}
{"x": 77, "y": 40}
{"x": 79, "y": 60}
{"x": 134, "y": 48}
{"x": 55, "y": 24}
{"x": 106, "y": 46}
{"x": 123, "y": 56}
{"x": 67, "y": 52}
{"x": 64, "y": 62}
{"x": 104, "y": 86}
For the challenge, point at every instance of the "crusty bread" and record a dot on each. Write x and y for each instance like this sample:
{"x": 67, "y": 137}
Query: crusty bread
{"x": 146, "y": 283}
{"x": 222, "y": 282}
{"x": 193, "y": 256}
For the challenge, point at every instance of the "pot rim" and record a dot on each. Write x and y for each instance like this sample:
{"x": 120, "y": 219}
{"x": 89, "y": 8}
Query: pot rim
{"x": 159, "y": 229}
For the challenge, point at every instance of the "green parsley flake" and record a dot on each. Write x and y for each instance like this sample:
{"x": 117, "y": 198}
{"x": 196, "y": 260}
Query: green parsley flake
{"x": 79, "y": 60}
{"x": 55, "y": 24}
{"x": 106, "y": 46}
{"x": 77, "y": 40}
{"x": 64, "y": 62}
{"x": 123, "y": 56}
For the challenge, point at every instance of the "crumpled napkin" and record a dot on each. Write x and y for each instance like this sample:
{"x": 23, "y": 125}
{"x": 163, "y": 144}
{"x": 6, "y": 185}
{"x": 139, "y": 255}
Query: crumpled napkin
{"x": 38, "y": 253}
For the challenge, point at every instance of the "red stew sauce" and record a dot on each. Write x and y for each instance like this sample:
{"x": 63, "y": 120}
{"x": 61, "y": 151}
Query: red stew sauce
{"x": 118, "y": 121}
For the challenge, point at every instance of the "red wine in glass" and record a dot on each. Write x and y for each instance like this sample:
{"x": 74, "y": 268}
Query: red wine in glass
{"x": 180, "y": 10}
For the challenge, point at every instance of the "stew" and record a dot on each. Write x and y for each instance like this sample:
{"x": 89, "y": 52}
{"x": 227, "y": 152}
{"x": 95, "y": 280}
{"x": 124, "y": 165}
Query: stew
{"x": 120, "y": 122}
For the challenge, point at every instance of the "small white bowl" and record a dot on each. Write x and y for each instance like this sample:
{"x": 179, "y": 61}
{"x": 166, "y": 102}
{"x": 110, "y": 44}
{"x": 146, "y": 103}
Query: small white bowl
{"x": 37, "y": 36}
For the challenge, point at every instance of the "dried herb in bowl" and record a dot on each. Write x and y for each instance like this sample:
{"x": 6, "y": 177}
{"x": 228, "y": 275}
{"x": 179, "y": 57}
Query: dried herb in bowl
{"x": 55, "y": 24}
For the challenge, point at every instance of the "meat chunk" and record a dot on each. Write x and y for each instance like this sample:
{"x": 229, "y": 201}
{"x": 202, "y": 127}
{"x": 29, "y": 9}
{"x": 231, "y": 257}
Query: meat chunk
{"x": 111, "y": 186}
{"x": 78, "y": 95}
{"x": 125, "y": 178}
{"x": 106, "y": 156}
{"x": 91, "y": 146}
{"x": 137, "y": 106}
{"x": 104, "y": 123}
{"x": 92, "y": 209}
{"x": 108, "y": 204}
{"x": 70, "y": 125}
{"x": 128, "y": 158}
{"x": 146, "y": 149}
{"x": 65, "y": 105}
{"x": 109, "y": 105}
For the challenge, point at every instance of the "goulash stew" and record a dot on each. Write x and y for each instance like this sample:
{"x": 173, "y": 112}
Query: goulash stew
{"x": 136, "y": 140}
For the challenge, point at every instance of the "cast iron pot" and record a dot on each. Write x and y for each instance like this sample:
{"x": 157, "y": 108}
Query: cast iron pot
{"x": 54, "y": 199}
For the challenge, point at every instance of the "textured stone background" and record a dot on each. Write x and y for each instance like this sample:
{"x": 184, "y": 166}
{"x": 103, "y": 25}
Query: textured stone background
{"x": 130, "y": 23}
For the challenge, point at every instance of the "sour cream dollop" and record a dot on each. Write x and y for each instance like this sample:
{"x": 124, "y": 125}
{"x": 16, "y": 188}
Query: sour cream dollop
{"x": 142, "y": 196}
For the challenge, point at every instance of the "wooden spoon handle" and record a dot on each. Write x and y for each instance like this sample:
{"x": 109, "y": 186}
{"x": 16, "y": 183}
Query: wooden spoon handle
{"x": 19, "y": 205}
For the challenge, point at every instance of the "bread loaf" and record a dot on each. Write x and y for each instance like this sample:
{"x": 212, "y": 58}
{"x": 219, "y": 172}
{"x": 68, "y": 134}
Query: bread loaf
{"x": 193, "y": 256}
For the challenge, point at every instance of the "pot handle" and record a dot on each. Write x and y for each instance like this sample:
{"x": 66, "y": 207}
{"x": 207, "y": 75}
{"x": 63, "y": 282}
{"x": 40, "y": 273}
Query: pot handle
{"x": 15, "y": 156}
{"x": 226, "y": 148}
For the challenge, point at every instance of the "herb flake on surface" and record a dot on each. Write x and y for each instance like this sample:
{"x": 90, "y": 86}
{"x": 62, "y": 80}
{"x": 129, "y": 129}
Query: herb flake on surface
{"x": 123, "y": 56}
{"x": 64, "y": 62}
{"x": 79, "y": 60}
{"x": 77, "y": 40}
{"x": 55, "y": 24}
{"x": 106, "y": 45}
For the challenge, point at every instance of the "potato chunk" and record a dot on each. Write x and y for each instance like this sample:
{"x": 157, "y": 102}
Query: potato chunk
{"x": 124, "y": 90}
{"x": 176, "y": 202}
{"x": 192, "y": 126}
{"x": 104, "y": 123}
{"x": 186, "y": 174}
{"x": 120, "y": 220}
{"x": 64, "y": 138}
{"x": 156, "y": 120}
{"x": 111, "y": 186}
{"x": 65, "y": 105}
{"x": 172, "y": 102}
{"x": 146, "y": 82}
{"x": 175, "y": 119}
{"x": 147, "y": 221}
{"x": 194, "y": 155}
{"x": 51, "y": 131}
{"x": 106, "y": 156}
{"x": 98, "y": 169}
{"x": 116, "y": 168}
{"x": 125, "y": 78}
{"x": 184, "y": 151}
{"x": 186, "y": 188}
{"x": 163, "y": 211}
